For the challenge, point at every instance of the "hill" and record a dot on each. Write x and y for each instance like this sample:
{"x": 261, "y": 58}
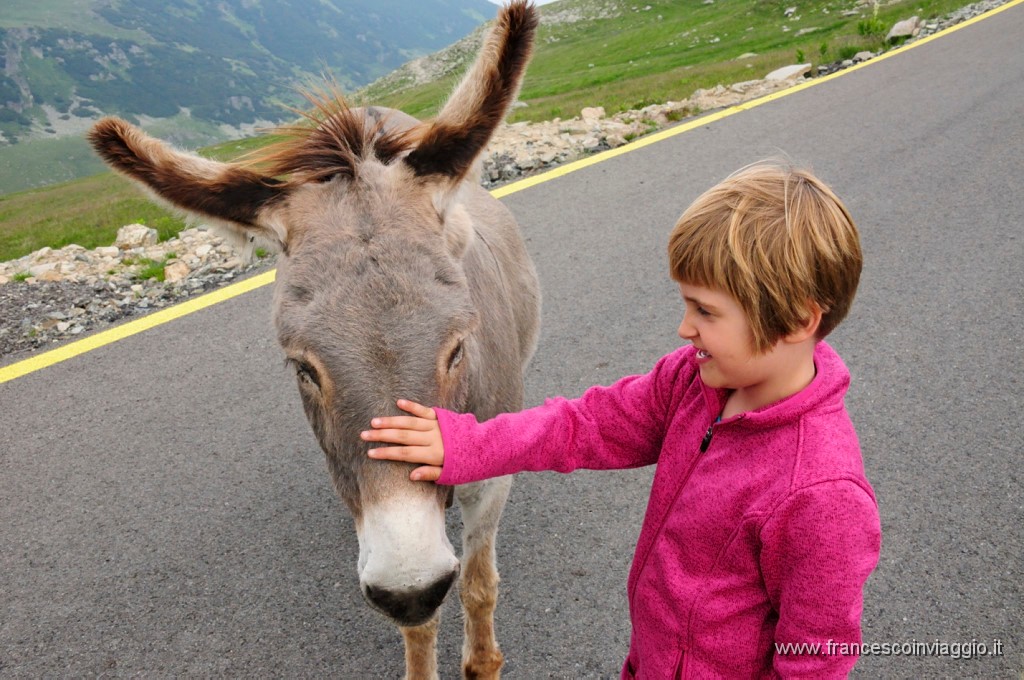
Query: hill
{"x": 209, "y": 70}
{"x": 608, "y": 53}
{"x": 621, "y": 54}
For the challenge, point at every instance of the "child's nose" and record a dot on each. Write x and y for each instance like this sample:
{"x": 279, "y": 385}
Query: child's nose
{"x": 686, "y": 330}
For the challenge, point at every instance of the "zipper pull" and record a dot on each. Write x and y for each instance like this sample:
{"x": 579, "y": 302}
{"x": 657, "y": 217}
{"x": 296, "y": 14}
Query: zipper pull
{"x": 706, "y": 442}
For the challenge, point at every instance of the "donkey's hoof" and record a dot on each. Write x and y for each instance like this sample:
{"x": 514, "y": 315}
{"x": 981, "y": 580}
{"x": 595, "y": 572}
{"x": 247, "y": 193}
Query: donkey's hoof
{"x": 484, "y": 667}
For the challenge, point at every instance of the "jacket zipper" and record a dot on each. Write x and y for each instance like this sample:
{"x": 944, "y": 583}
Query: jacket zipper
{"x": 706, "y": 442}
{"x": 703, "y": 447}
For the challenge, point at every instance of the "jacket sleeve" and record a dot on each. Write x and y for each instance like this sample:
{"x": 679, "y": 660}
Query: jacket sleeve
{"x": 818, "y": 548}
{"x": 614, "y": 427}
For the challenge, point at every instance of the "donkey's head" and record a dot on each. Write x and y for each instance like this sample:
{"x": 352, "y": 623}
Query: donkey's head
{"x": 371, "y": 301}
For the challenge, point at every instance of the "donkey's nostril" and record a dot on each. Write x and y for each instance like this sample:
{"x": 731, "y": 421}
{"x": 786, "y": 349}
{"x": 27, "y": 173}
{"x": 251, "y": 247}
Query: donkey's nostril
{"x": 410, "y": 607}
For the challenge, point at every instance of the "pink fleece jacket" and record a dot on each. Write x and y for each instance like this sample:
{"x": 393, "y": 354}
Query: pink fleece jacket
{"x": 764, "y": 537}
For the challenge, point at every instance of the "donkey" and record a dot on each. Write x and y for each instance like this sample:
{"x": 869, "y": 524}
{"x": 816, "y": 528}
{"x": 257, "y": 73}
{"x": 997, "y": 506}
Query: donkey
{"x": 398, "y": 277}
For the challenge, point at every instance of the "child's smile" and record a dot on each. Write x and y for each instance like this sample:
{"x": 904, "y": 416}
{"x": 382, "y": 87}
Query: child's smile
{"x": 717, "y": 326}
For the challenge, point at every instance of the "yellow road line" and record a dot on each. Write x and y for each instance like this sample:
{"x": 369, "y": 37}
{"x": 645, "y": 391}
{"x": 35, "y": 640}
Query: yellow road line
{"x": 73, "y": 349}
{"x": 123, "y": 331}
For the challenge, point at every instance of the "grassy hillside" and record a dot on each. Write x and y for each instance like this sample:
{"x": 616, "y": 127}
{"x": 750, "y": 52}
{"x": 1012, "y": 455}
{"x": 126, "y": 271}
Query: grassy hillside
{"x": 624, "y": 55}
{"x": 617, "y": 54}
{"x": 89, "y": 211}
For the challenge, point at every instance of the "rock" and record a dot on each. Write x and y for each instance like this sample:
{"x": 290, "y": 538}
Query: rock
{"x": 4, "y": 279}
{"x": 592, "y": 114}
{"x": 614, "y": 140}
{"x": 133, "y": 236}
{"x": 175, "y": 271}
{"x": 789, "y": 72}
{"x": 904, "y": 29}
{"x": 790, "y": 11}
{"x": 863, "y": 56}
{"x": 40, "y": 269}
{"x": 108, "y": 251}
{"x": 203, "y": 250}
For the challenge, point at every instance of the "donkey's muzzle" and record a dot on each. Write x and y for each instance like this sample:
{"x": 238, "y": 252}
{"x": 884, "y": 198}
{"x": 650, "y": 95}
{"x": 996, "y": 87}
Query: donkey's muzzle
{"x": 410, "y": 607}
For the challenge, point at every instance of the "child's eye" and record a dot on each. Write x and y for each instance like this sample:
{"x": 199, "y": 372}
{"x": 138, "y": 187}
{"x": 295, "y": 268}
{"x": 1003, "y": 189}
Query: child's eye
{"x": 703, "y": 312}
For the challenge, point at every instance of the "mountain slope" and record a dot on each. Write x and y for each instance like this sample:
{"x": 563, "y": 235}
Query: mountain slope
{"x": 219, "y": 63}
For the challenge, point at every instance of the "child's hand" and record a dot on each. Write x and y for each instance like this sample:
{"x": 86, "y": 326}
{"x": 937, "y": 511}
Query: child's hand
{"x": 419, "y": 437}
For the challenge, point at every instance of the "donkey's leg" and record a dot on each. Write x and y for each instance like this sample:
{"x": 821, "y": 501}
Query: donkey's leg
{"x": 421, "y": 650}
{"x": 481, "y": 504}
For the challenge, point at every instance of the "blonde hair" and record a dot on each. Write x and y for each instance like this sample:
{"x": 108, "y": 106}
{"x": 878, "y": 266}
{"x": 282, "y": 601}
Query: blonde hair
{"x": 776, "y": 239}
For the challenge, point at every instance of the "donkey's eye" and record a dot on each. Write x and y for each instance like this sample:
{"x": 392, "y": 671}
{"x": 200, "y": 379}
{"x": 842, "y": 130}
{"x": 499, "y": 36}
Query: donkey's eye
{"x": 306, "y": 374}
{"x": 455, "y": 357}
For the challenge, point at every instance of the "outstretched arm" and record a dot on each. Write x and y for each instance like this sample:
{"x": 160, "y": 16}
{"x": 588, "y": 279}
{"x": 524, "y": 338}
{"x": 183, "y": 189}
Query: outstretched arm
{"x": 417, "y": 436}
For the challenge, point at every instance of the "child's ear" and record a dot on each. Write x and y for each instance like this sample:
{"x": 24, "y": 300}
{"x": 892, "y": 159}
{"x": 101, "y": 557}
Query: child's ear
{"x": 809, "y": 328}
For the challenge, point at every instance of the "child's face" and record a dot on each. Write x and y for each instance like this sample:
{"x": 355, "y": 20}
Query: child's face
{"x": 716, "y": 324}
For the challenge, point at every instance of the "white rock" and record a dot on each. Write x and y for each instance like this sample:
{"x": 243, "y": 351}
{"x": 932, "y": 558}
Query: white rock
{"x": 40, "y": 269}
{"x": 614, "y": 140}
{"x": 789, "y": 72}
{"x": 108, "y": 251}
{"x": 592, "y": 114}
{"x": 3, "y": 279}
{"x": 133, "y": 236}
{"x": 863, "y": 56}
{"x": 203, "y": 250}
{"x": 904, "y": 29}
{"x": 175, "y": 271}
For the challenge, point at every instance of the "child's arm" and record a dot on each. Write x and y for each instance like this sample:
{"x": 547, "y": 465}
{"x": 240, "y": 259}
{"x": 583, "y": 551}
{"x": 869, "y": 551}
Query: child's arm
{"x": 619, "y": 426}
{"x": 818, "y": 548}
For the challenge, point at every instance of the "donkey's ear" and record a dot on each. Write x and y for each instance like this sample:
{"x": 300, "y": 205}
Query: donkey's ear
{"x": 234, "y": 197}
{"x": 451, "y": 143}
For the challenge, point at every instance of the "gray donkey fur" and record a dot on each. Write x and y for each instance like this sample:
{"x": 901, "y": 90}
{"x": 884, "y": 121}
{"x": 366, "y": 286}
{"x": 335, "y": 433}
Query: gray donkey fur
{"x": 399, "y": 277}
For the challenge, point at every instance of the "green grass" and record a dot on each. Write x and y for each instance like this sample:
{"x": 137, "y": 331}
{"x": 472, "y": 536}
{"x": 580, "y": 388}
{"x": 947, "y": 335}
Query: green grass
{"x": 624, "y": 62}
{"x": 63, "y": 14}
{"x": 152, "y": 269}
{"x": 665, "y": 53}
{"x": 89, "y": 211}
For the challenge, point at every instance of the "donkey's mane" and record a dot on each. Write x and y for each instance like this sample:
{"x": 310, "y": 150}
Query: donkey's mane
{"x": 331, "y": 140}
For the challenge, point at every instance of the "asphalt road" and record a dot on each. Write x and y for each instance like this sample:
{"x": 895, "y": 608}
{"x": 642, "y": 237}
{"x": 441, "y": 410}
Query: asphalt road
{"x": 165, "y": 509}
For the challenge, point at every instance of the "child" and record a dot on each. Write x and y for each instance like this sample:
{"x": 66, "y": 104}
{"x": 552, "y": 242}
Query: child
{"x": 761, "y": 527}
